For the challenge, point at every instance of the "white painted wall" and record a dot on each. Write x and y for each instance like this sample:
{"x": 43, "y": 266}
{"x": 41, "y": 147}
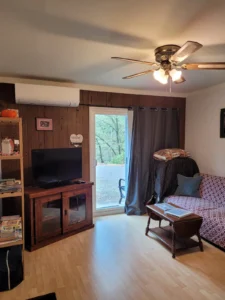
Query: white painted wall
{"x": 203, "y": 129}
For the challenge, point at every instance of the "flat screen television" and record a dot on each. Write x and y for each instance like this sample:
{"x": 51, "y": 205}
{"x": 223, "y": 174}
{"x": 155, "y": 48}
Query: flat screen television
{"x": 52, "y": 167}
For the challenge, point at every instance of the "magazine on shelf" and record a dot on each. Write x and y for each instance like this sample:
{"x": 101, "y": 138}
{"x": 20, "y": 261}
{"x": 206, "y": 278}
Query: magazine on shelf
{"x": 9, "y": 218}
{"x": 10, "y": 229}
{"x": 10, "y": 185}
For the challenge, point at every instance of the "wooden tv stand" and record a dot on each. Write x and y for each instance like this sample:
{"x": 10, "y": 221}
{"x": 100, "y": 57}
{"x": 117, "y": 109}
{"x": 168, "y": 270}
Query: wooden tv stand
{"x": 56, "y": 213}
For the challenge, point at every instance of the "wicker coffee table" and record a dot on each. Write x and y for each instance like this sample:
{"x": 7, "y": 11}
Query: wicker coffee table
{"x": 179, "y": 232}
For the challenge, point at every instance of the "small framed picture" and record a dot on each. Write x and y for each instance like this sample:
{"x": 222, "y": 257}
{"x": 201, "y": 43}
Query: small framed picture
{"x": 222, "y": 123}
{"x": 44, "y": 124}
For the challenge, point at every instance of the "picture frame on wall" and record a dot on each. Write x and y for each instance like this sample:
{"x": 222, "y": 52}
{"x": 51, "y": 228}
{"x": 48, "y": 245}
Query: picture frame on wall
{"x": 222, "y": 123}
{"x": 44, "y": 124}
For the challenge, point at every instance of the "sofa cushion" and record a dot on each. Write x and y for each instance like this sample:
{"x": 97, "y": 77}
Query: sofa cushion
{"x": 212, "y": 188}
{"x": 188, "y": 186}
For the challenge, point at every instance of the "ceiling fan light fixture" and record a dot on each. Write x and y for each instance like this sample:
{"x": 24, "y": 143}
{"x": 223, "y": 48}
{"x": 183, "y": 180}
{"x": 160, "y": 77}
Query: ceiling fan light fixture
{"x": 175, "y": 75}
{"x": 160, "y": 76}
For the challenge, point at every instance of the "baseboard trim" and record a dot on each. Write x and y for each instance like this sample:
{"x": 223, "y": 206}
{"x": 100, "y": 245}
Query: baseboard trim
{"x": 108, "y": 212}
{"x": 211, "y": 243}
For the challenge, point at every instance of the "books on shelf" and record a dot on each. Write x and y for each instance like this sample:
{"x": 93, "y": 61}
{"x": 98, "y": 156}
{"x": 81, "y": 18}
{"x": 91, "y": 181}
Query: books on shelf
{"x": 10, "y": 229}
{"x": 10, "y": 186}
{"x": 173, "y": 211}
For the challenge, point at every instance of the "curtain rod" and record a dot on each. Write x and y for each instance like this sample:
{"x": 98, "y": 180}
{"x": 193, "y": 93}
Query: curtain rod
{"x": 129, "y": 107}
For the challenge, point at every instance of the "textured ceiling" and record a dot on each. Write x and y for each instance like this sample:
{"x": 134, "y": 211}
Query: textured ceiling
{"x": 74, "y": 40}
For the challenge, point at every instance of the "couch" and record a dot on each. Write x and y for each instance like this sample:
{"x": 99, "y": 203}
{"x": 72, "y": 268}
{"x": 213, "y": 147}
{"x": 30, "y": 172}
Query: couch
{"x": 211, "y": 206}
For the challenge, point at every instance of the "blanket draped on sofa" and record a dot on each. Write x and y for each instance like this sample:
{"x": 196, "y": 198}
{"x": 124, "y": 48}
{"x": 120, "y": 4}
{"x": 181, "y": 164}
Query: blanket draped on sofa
{"x": 211, "y": 206}
{"x": 166, "y": 175}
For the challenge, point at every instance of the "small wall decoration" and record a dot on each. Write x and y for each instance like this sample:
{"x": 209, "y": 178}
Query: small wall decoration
{"x": 222, "y": 123}
{"x": 44, "y": 124}
{"x": 76, "y": 140}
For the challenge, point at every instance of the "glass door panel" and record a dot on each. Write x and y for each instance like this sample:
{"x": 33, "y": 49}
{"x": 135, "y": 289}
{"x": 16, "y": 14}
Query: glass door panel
{"x": 110, "y": 149}
{"x": 77, "y": 209}
{"x": 51, "y": 217}
{"x": 110, "y": 132}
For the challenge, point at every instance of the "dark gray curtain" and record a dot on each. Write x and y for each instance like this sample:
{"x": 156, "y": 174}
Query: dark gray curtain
{"x": 153, "y": 129}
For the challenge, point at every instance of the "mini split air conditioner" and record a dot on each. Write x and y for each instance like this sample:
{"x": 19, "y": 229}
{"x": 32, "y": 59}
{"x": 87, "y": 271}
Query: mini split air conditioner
{"x": 47, "y": 95}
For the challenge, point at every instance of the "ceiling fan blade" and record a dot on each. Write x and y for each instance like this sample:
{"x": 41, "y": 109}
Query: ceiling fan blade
{"x": 204, "y": 66}
{"x": 135, "y": 61}
{"x": 181, "y": 80}
{"x": 138, "y": 74}
{"x": 186, "y": 50}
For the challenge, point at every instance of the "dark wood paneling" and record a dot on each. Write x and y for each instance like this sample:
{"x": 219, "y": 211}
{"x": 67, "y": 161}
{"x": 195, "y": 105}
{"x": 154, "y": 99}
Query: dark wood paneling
{"x": 73, "y": 120}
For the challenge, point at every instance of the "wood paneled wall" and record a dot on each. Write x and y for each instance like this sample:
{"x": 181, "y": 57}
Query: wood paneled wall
{"x": 72, "y": 120}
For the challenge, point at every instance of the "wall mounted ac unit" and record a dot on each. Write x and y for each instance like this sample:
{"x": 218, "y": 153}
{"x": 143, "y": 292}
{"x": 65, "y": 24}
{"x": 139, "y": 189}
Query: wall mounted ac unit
{"x": 47, "y": 95}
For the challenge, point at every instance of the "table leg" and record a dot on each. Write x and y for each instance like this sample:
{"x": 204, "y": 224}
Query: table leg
{"x": 174, "y": 245}
{"x": 200, "y": 241}
{"x": 148, "y": 224}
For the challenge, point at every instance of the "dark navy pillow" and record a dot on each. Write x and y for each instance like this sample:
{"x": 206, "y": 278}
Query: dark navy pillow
{"x": 188, "y": 186}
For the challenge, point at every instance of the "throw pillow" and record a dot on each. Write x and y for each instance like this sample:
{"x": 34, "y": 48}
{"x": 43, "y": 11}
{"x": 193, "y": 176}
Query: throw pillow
{"x": 188, "y": 186}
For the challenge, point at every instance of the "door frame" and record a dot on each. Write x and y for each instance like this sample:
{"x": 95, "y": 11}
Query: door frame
{"x": 92, "y": 112}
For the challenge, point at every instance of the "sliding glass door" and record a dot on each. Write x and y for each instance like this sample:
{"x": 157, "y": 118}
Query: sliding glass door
{"x": 110, "y": 132}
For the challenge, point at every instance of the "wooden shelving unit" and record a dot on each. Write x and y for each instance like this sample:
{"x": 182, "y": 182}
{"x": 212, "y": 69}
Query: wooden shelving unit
{"x": 10, "y": 195}
{"x": 10, "y": 120}
{"x": 15, "y": 121}
{"x": 10, "y": 157}
{"x": 11, "y": 244}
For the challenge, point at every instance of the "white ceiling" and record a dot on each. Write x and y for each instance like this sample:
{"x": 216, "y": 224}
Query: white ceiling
{"x": 74, "y": 40}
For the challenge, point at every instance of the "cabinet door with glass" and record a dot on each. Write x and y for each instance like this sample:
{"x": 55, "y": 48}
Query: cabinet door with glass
{"x": 48, "y": 215}
{"x": 77, "y": 209}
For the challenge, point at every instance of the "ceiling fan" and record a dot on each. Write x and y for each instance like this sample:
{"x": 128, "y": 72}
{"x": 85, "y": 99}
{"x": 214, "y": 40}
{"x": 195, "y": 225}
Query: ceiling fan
{"x": 168, "y": 58}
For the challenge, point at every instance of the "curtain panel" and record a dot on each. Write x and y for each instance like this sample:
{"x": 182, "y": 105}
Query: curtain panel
{"x": 153, "y": 129}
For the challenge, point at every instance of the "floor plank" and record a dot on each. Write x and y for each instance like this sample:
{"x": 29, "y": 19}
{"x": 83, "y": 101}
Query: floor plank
{"x": 115, "y": 260}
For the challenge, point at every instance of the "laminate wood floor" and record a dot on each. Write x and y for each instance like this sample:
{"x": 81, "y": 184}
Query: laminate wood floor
{"x": 115, "y": 260}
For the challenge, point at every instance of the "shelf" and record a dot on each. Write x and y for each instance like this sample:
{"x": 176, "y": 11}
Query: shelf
{"x": 9, "y": 120}
{"x": 12, "y": 194}
{"x": 165, "y": 235}
{"x": 10, "y": 157}
{"x": 10, "y": 244}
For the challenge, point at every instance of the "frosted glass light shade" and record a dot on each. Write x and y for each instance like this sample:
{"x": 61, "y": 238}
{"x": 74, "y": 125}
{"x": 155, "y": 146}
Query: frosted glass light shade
{"x": 160, "y": 76}
{"x": 175, "y": 75}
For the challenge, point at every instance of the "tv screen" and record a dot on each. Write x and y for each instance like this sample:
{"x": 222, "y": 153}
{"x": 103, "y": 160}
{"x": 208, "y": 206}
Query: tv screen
{"x": 62, "y": 164}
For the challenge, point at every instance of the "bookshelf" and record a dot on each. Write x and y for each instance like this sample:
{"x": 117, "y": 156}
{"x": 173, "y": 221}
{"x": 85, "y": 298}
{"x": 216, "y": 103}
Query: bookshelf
{"x": 11, "y": 244}
{"x": 10, "y": 157}
{"x": 15, "y": 122}
{"x": 10, "y": 195}
{"x": 10, "y": 120}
